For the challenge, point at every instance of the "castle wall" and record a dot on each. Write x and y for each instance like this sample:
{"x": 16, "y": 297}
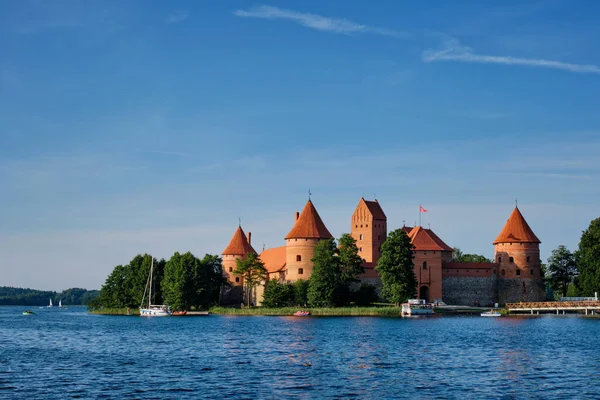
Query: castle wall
{"x": 470, "y": 290}
{"x": 305, "y": 248}
{"x": 514, "y": 290}
{"x": 429, "y": 274}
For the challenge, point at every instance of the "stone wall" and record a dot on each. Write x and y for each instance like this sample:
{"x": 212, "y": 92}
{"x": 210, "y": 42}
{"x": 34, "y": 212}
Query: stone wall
{"x": 469, "y": 291}
{"x": 514, "y": 290}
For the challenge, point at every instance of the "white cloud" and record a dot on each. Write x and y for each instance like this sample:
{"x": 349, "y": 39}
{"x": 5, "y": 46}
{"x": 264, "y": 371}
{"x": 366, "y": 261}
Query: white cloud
{"x": 454, "y": 51}
{"x": 318, "y": 22}
{"x": 176, "y": 17}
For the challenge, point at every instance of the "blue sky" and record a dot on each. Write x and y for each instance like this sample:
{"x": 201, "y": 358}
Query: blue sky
{"x": 131, "y": 127}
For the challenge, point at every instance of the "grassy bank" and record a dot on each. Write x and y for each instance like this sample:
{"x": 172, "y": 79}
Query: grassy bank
{"x": 330, "y": 312}
{"x": 114, "y": 311}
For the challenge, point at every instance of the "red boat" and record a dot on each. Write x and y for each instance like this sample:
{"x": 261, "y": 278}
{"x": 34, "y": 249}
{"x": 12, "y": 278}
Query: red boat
{"x": 302, "y": 313}
{"x": 179, "y": 313}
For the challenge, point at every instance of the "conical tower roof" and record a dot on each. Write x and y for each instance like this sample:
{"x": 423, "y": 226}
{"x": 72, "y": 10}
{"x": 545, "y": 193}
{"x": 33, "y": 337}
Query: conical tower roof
{"x": 516, "y": 230}
{"x": 238, "y": 245}
{"x": 309, "y": 225}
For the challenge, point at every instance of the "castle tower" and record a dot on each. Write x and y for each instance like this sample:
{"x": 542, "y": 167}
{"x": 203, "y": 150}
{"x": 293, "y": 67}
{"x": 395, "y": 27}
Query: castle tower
{"x": 301, "y": 241}
{"x": 238, "y": 247}
{"x": 369, "y": 229}
{"x": 517, "y": 251}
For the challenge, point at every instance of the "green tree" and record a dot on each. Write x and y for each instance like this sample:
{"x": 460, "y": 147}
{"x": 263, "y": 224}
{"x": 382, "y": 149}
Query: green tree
{"x": 253, "y": 271}
{"x": 587, "y": 257}
{"x": 325, "y": 278}
{"x": 207, "y": 279}
{"x": 459, "y": 256}
{"x": 395, "y": 266}
{"x": 350, "y": 262}
{"x": 301, "y": 292}
{"x": 278, "y": 294}
{"x": 365, "y": 295}
{"x": 177, "y": 284}
{"x": 562, "y": 269}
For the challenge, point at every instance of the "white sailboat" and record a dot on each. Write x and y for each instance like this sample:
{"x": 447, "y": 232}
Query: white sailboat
{"x": 60, "y": 303}
{"x": 153, "y": 310}
{"x": 49, "y": 305}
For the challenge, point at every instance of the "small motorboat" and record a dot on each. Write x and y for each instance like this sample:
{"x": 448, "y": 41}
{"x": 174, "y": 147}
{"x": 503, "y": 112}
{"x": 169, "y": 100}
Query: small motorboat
{"x": 491, "y": 313}
{"x": 301, "y": 313}
{"x": 179, "y": 313}
{"x": 28, "y": 312}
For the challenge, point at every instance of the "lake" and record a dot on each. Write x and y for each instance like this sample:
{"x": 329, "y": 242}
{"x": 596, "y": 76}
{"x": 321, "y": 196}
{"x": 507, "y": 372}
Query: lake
{"x": 71, "y": 354}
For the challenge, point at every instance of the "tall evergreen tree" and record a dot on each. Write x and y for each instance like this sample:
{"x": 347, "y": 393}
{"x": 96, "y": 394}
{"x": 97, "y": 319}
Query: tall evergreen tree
{"x": 562, "y": 269}
{"x": 177, "y": 284}
{"x": 253, "y": 270}
{"x": 350, "y": 262}
{"x": 395, "y": 266}
{"x": 325, "y": 278}
{"x": 588, "y": 260}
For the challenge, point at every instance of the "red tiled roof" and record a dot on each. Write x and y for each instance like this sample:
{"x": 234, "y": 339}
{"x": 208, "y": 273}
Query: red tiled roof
{"x": 238, "y": 245}
{"x": 425, "y": 239}
{"x": 274, "y": 259}
{"x": 309, "y": 225}
{"x": 375, "y": 209}
{"x": 516, "y": 230}
{"x": 407, "y": 229}
{"x": 469, "y": 265}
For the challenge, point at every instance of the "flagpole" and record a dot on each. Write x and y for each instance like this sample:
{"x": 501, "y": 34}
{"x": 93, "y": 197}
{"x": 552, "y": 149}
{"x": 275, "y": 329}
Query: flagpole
{"x": 419, "y": 215}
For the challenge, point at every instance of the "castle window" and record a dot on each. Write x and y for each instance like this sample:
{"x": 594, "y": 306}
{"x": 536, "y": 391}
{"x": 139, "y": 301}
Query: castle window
{"x": 518, "y": 272}
{"x": 361, "y": 226}
{"x": 237, "y": 279}
{"x": 528, "y": 258}
{"x": 300, "y": 271}
{"x": 531, "y": 272}
{"x": 356, "y": 226}
{"x": 364, "y": 260}
{"x": 378, "y": 237}
{"x": 367, "y": 225}
{"x": 499, "y": 259}
{"x": 424, "y": 264}
{"x": 298, "y": 257}
{"x": 360, "y": 237}
{"x": 511, "y": 259}
{"x": 360, "y": 249}
{"x": 230, "y": 269}
{"x": 503, "y": 272}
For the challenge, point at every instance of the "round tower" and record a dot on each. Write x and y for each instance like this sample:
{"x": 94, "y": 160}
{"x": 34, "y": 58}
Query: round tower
{"x": 301, "y": 241}
{"x": 517, "y": 251}
{"x": 238, "y": 247}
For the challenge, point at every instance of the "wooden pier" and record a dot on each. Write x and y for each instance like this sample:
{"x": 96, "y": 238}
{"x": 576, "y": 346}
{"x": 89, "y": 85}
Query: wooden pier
{"x": 560, "y": 307}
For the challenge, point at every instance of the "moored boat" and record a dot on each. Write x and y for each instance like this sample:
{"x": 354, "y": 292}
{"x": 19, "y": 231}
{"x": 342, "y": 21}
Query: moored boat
{"x": 491, "y": 313}
{"x": 153, "y": 310}
{"x": 301, "y": 313}
{"x": 416, "y": 307}
{"x": 179, "y": 313}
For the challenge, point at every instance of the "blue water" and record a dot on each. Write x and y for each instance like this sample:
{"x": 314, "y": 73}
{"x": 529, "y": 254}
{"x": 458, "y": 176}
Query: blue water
{"x": 70, "y": 354}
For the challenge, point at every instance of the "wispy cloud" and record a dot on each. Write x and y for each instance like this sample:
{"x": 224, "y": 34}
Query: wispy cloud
{"x": 317, "y": 22}
{"x": 454, "y": 51}
{"x": 176, "y": 17}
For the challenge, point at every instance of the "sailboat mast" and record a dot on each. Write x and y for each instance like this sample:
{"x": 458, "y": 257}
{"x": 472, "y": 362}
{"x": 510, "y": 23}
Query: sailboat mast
{"x": 150, "y": 294}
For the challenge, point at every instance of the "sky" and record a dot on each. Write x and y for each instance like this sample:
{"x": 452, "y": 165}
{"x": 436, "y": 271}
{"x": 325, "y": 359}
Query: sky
{"x": 155, "y": 127}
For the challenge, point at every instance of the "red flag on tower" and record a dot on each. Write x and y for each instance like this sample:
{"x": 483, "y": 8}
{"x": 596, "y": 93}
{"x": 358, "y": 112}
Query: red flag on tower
{"x": 422, "y": 209}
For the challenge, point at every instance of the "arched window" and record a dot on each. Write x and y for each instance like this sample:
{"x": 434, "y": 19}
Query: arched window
{"x": 511, "y": 259}
{"x": 531, "y": 272}
{"x": 360, "y": 237}
{"x": 237, "y": 279}
{"x": 528, "y": 258}
{"x": 230, "y": 269}
{"x": 298, "y": 257}
{"x": 360, "y": 249}
{"x": 499, "y": 259}
{"x": 300, "y": 271}
{"x": 503, "y": 272}
{"x": 424, "y": 264}
{"x": 518, "y": 272}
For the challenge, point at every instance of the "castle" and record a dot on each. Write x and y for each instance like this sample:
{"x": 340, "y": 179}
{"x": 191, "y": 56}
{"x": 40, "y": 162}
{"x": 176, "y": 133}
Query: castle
{"x": 515, "y": 274}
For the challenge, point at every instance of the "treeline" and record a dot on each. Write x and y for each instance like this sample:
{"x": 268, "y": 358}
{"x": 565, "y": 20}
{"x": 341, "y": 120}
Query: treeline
{"x": 183, "y": 282}
{"x": 32, "y": 297}
{"x": 576, "y": 274}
